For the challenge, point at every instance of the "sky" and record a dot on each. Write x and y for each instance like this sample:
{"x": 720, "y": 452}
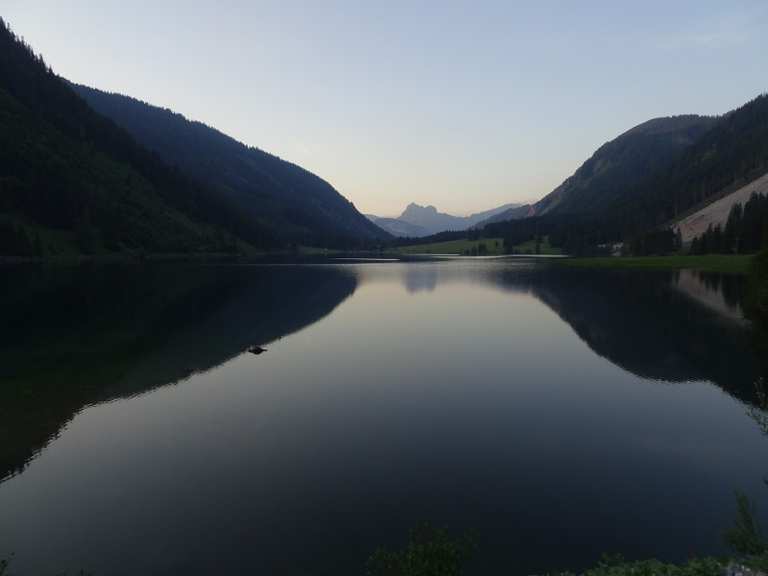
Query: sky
{"x": 465, "y": 105}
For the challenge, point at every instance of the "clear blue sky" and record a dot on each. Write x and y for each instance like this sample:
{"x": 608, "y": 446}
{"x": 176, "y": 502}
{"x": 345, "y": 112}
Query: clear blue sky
{"x": 461, "y": 104}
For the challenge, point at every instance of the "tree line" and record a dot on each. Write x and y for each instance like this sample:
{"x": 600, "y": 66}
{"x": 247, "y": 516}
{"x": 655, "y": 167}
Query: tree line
{"x": 745, "y": 231}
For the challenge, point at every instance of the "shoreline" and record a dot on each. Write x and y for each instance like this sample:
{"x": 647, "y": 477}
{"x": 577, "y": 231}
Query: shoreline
{"x": 721, "y": 263}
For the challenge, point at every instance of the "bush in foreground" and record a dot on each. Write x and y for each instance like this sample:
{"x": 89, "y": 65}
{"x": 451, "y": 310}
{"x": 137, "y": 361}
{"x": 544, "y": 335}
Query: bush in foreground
{"x": 430, "y": 552}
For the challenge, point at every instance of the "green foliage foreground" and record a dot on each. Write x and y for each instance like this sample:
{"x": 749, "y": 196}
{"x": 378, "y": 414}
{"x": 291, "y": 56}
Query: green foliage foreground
{"x": 434, "y": 552}
{"x": 745, "y": 537}
{"x": 695, "y": 567}
{"x": 429, "y": 552}
{"x": 618, "y": 567}
{"x": 444, "y": 558}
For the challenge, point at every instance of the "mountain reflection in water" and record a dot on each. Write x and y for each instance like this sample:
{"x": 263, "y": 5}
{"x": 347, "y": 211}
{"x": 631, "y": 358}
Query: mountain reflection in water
{"x": 528, "y": 402}
{"x": 79, "y": 336}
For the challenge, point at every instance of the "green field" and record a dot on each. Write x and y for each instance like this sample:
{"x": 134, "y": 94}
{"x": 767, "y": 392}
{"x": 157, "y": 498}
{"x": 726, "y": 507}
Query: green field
{"x": 545, "y": 248}
{"x": 493, "y": 247}
{"x": 731, "y": 264}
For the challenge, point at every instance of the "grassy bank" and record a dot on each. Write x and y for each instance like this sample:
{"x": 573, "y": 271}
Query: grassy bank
{"x": 543, "y": 247}
{"x": 492, "y": 247}
{"x": 729, "y": 264}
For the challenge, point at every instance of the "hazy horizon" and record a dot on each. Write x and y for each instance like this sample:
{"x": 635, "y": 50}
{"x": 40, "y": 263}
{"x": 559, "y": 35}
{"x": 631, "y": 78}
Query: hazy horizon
{"x": 450, "y": 104}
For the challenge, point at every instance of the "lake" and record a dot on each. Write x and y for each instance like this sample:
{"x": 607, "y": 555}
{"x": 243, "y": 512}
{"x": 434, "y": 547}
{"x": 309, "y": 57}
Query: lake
{"x": 556, "y": 413}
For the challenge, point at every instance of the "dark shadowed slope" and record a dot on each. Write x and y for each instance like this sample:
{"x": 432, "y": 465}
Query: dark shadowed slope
{"x": 730, "y": 155}
{"x": 72, "y": 181}
{"x": 651, "y": 177}
{"x": 291, "y": 202}
{"x": 610, "y": 174}
{"x": 607, "y": 176}
{"x": 518, "y": 213}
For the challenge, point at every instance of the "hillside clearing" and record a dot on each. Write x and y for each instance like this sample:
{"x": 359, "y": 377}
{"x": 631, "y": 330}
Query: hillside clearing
{"x": 717, "y": 212}
{"x": 544, "y": 248}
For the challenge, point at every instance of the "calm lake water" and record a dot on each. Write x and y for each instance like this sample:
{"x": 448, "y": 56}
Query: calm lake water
{"x": 559, "y": 414}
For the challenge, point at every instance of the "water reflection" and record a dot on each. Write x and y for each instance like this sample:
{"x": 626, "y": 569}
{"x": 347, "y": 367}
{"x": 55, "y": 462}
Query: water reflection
{"x": 721, "y": 293}
{"x": 97, "y": 333}
{"x": 77, "y": 336}
{"x": 650, "y": 325}
{"x": 420, "y": 278}
{"x": 678, "y": 326}
{"x": 519, "y": 400}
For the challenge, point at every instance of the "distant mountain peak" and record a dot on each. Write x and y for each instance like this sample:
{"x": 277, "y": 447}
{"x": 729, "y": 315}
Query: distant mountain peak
{"x": 418, "y": 211}
{"x": 417, "y": 220}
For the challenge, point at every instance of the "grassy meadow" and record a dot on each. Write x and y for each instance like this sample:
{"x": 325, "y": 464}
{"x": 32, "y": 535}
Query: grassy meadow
{"x": 493, "y": 247}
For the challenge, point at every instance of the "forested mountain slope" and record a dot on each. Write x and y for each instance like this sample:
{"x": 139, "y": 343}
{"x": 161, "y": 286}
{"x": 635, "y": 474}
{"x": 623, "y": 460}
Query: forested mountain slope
{"x": 730, "y": 155}
{"x": 518, "y": 213}
{"x": 72, "y": 181}
{"x": 291, "y": 202}
{"x": 609, "y": 175}
{"x": 635, "y": 187}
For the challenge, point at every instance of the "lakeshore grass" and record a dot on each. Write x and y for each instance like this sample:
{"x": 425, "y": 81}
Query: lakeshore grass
{"x": 493, "y": 246}
{"x": 543, "y": 248}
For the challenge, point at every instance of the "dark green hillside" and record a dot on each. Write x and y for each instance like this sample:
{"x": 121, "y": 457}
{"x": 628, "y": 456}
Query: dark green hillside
{"x": 72, "y": 181}
{"x": 634, "y": 187}
{"x": 294, "y": 203}
{"x": 732, "y": 154}
{"x": 607, "y": 177}
{"x": 610, "y": 174}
